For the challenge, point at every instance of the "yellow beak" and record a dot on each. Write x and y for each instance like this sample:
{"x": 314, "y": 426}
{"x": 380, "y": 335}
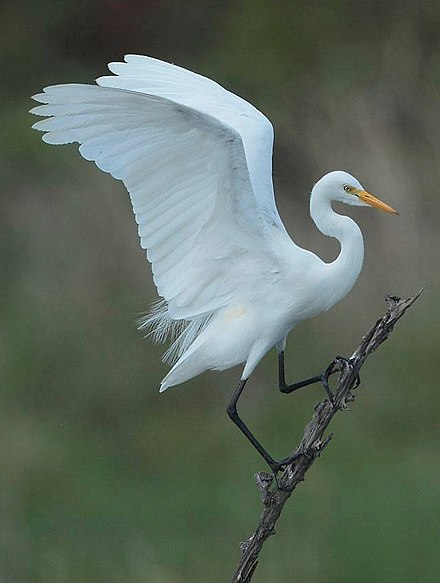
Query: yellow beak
{"x": 373, "y": 201}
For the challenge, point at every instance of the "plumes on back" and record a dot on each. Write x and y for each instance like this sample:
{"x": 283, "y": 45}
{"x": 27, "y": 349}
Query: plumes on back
{"x": 158, "y": 324}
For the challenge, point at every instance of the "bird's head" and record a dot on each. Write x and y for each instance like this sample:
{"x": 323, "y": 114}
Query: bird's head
{"x": 342, "y": 187}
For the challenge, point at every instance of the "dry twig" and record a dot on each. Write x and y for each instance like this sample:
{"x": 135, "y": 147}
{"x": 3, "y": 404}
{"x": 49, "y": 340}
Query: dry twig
{"x": 312, "y": 442}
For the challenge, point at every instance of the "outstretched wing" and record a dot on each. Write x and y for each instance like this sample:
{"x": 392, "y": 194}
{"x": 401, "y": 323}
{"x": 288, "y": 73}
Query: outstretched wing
{"x": 154, "y": 77}
{"x": 196, "y": 161}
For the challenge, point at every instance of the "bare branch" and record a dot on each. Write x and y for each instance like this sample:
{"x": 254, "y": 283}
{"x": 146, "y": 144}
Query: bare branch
{"x": 313, "y": 442}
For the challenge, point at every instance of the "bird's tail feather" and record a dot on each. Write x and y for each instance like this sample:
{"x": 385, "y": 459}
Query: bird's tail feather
{"x": 160, "y": 326}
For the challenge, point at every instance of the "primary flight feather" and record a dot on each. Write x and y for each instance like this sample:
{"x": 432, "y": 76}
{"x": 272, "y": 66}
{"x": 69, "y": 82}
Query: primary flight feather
{"x": 197, "y": 163}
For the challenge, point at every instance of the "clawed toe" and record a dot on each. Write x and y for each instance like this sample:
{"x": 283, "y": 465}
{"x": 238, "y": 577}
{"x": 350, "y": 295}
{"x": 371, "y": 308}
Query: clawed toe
{"x": 324, "y": 380}
{"x": 336, "y": 365}
{"x": 350, "y": 363}
{"x": 281, "y": 465}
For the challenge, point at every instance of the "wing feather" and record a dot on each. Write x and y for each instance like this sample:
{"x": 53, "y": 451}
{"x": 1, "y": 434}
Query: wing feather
{"x": 196, "y": 161}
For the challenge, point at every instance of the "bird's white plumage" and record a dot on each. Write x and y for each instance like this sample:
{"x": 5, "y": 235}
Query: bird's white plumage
{"x": 197, "y": 163}
{"x": 185, "y": 170}
{"x": 154, "y": 77}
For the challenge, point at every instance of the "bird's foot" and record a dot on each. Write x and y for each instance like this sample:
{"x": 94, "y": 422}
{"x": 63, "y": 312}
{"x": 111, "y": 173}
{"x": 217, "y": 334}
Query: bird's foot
{"x": 351, "y": 364}
{"x": 337, "y": 365}
{"x": 281, "y": 465}
{"x": 348, "y": 361}
{"x": 324, "y": 380}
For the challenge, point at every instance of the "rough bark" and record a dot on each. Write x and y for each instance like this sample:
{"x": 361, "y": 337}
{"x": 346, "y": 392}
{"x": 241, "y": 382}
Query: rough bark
{"x": 313, "y": 442}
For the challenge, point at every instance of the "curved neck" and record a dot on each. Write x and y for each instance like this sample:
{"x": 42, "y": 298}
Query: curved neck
{"x": 344, "y": 270}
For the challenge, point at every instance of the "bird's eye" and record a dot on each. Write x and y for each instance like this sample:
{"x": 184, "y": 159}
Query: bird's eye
{"x": 347, "y": 188}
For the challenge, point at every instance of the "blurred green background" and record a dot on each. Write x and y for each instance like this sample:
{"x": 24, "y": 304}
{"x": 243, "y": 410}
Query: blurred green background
{"x": 104, "y": 480}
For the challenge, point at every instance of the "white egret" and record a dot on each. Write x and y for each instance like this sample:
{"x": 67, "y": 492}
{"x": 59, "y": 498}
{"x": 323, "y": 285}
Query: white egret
{"x": 197, "y": 163}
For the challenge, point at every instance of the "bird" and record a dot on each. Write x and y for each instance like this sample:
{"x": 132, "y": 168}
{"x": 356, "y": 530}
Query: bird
{"x": 196, "y": 161}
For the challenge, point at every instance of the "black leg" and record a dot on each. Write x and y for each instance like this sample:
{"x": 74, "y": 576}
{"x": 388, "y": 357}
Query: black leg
{"x": 285, "y": 388}
{"x": 233, "y": 414}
